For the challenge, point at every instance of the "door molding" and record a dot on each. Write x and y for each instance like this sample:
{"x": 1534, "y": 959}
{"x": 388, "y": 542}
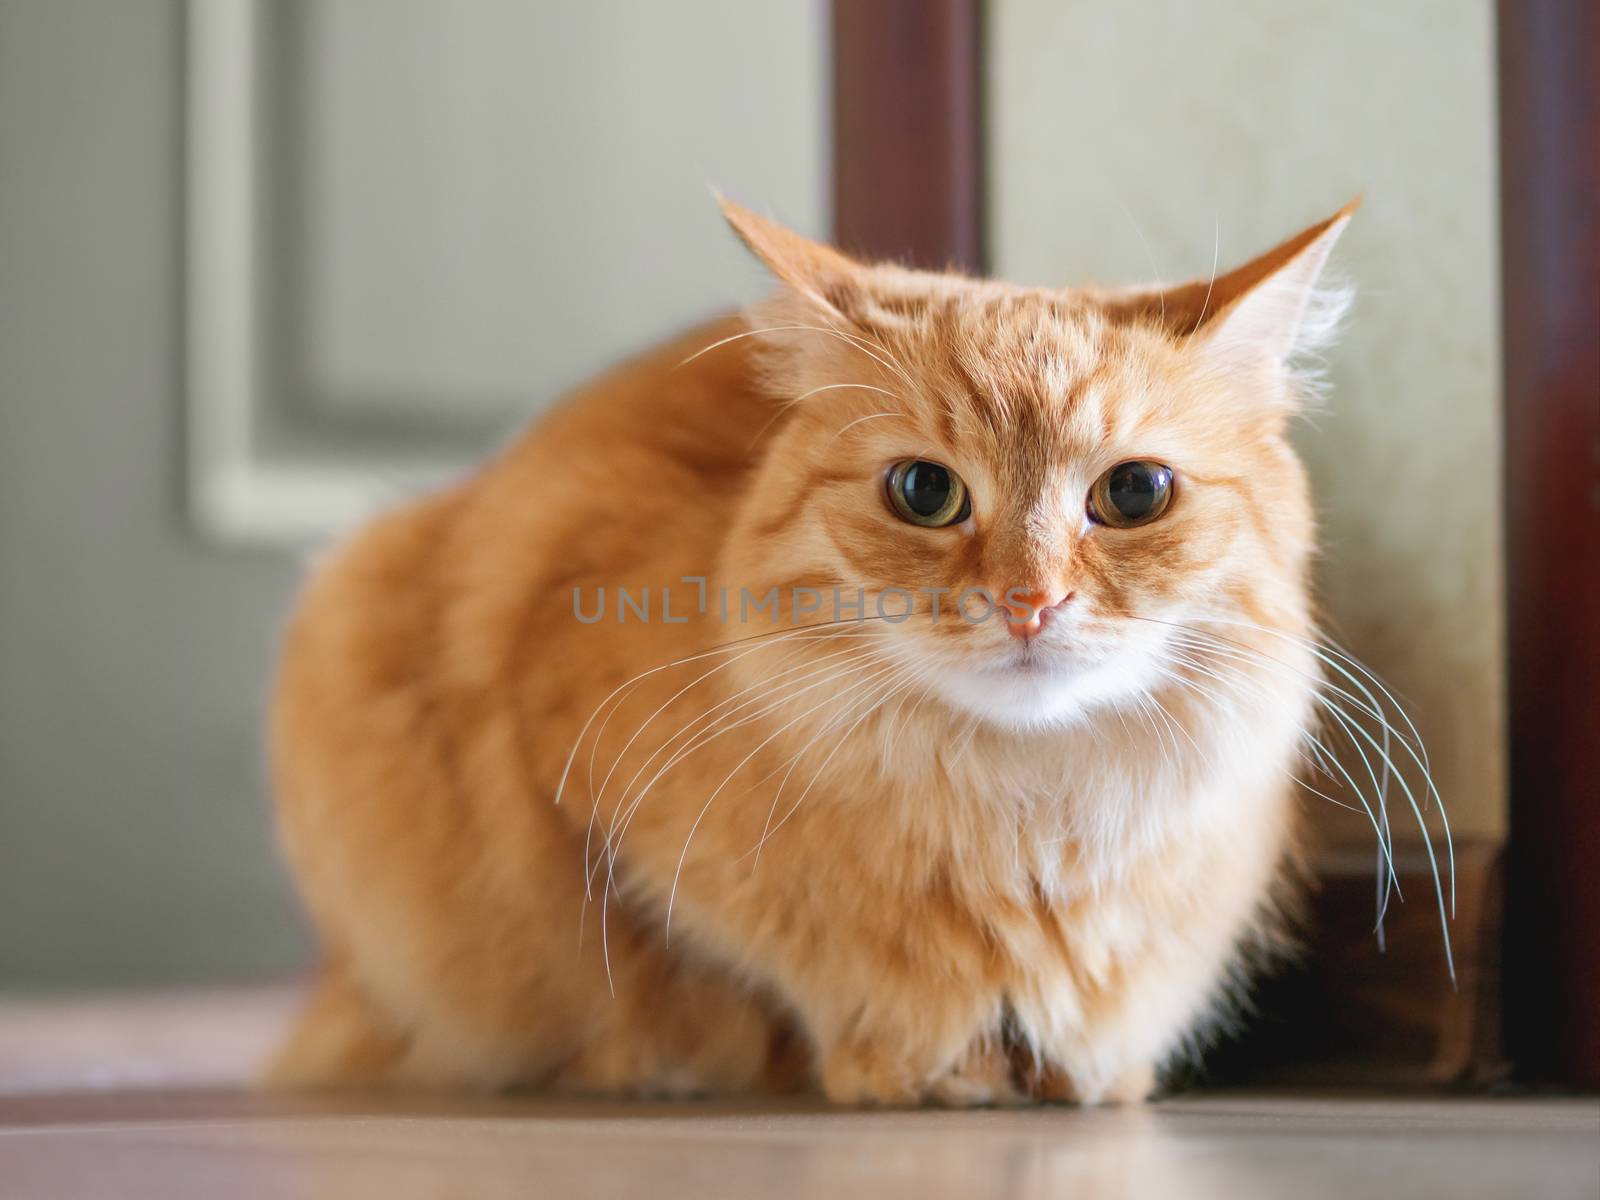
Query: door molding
{"x": 242, "y": 490}
{"x": 363, "y": 239}
{"x": 908, "y": 131}
{"x": 1550, "y": 268}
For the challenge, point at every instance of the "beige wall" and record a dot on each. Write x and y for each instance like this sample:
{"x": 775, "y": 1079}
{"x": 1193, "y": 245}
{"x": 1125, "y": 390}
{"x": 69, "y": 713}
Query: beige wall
{"x": 1125, "y": 138}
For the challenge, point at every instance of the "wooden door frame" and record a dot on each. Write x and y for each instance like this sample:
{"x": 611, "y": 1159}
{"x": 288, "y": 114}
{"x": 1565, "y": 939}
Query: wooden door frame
{"x": 1549, "y": 66}
{"x": 907, "y": 131}
{"x": 909, "y": 183}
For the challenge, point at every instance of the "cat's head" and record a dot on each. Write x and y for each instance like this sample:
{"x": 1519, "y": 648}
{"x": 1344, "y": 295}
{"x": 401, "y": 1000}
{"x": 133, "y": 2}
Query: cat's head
{"x": 1102, "y": 466}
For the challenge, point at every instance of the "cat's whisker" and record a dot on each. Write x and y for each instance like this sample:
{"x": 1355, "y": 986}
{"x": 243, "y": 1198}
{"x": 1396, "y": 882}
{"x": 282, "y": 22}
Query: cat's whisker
{"x": 875, "y": 350}
{"x": 1335, "y": 657}
{"x": 868, "y": 706}
{"x": 792, "y": 759}
{"x": 848, "y": 426}
{"x": 834, "y": 387}
{"x": 712, "y": 724}
{"x": 621, "y": 832}
{"x": 877, "y": 353}
{"x": 1159, "y": 717}
{"x": 787, "y": 766}
{"x": 594, "y": 747}
{"x": 1141, "y": 708}
{"x": 672, "y": 895}
{"x": 721, "y": 725}
{"x": 1347, "y": 724}
{"x": 747, "y": 333}
{"x": 892, "y": 724}
{"x": 1228, "y": 648}
{"x": 783, "y": 409}
{"x": 688, "y": 749}
{"x": 1370, "y": 707}
{"x": 1172, "y": 752}
{"x": 1155, "y": 271}
{"x": 1385, "y": 880}
{"x": 792, "y": 763}
{"x": 1316, "y": 756}
{"x": 1208, "y": 694}
{"x": 964, "y": 739}
{"x": 623, "y": 690}
{"x": 1240, "y": 686}
{"x": 1175, "y": 723}
{"x": 819, "y": 631}
{"x": 598, "y": 798}
{"x": 1216, "y": 248}
{"x": 722, "y": 648}
{"x": 1379, "y": 820}
{"x": 1336, "y": 660}
{"x": 1373, "y": 708}
{"x": 1427, "y": 842}
{"x": 714, "y": 718}
{"x": 1214, "y": 643}
{"x": 922, "y": 689}
{"x": 726, "y": 663}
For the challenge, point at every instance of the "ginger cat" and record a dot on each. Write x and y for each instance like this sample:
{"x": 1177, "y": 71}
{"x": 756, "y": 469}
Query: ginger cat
{"x": 673, "y": 750}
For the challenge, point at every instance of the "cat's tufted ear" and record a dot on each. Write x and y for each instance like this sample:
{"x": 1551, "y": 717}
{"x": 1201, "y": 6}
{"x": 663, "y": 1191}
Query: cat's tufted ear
{"x": 818, "y": 272}
{"x": 1266, "y": 310}
{"x": 1271, "y": 307}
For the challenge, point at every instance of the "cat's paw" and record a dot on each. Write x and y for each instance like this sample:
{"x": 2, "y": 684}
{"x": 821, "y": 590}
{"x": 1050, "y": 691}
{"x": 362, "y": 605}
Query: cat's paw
{"x": 863, "y": 1075}
{"x": 1134, "y": 1086}
{"x": 866, "y": 1075}
{"x": 982, "y": 1078}
{"x": 1041, "y": 1079}
{"x": 1050, "y": 1084}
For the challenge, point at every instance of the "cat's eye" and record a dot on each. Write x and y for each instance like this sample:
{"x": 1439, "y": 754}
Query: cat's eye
{"x": 926, "y": 493}
{"x": 1131, "y": 493}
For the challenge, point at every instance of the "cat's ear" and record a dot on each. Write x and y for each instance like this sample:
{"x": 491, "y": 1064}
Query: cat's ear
{"x": 1266, "y": 310}
{"x": 1271, "y": 307}
{"x": 818, "y": 272}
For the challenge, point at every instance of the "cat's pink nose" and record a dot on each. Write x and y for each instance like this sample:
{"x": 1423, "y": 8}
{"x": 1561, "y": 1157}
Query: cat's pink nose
{"x": 1027, "y": 611}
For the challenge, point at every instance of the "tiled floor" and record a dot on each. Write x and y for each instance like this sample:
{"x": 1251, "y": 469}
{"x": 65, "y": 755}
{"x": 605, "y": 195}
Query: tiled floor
{"x": 135, "y": 1102}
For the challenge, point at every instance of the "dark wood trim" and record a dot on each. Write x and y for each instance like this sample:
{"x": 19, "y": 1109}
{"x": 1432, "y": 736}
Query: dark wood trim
{"x": 907, "y": 129}
{"x": 1549, "y": 59}
{"x": 1350, "y": 1014}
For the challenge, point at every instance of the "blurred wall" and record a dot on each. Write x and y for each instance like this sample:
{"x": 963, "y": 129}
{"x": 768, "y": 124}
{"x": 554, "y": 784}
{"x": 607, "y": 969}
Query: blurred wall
{"x": 483, "y": 201}
{"x": 133, "y": 836}
{"x": 1128, "y": 141}
{"x": 491, "y": 200}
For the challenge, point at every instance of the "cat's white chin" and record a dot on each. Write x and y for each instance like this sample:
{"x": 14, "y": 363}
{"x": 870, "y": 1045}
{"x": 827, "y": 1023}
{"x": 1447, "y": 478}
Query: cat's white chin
{"x": 1045, "y": 692}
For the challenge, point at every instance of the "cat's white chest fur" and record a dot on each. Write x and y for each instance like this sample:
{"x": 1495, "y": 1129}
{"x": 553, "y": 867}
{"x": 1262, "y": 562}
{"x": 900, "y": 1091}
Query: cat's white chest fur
{"x": 1118, "y": 876}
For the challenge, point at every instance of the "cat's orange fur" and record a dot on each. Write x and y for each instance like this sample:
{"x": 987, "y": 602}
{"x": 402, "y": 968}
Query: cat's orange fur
{"x": 975, "y": 881}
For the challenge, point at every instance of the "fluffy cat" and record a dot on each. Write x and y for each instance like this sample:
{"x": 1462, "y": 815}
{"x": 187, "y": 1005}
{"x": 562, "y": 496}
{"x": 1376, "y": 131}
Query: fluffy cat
{"x": 792, "y": 810}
